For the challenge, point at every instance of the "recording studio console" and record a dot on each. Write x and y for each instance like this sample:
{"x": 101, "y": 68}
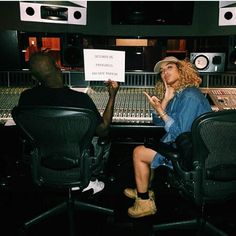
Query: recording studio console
{"x": 221, "y": 98}
{"x": 131, "y": 105}
{"x": 9, "y": 97}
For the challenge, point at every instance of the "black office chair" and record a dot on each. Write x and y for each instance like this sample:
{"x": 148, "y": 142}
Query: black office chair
{"x": 210, "y": 175}
{"x": 60, "y": 156}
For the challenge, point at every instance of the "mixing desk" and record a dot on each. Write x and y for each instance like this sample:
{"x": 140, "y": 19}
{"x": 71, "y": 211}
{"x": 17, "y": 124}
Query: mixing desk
{"x": 131, "y": 105}
{"x": 224, "y": 98}
{"x": 9, "y": 97}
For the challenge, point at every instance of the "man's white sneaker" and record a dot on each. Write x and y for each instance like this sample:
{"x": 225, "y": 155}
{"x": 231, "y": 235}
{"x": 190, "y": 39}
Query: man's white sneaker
{"x": 96, "y": 185}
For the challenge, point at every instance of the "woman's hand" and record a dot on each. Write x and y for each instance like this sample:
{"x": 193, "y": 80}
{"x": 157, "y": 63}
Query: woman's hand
{"x": 154, "y": 101}
{"x": 169, "y": 92}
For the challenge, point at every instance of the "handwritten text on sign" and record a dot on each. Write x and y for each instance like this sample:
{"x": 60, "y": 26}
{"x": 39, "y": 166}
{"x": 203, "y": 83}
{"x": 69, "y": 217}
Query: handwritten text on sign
{"x": 102, "y": 65}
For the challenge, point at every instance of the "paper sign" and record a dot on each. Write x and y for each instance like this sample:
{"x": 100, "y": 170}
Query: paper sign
{"x": 103, "y": 65}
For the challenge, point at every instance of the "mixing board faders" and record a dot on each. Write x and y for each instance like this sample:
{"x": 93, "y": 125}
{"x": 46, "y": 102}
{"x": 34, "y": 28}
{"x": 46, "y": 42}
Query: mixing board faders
{"x": 131, "y": 104}
{"x": 8, "y": 99}
{"x": 223, "y": 98}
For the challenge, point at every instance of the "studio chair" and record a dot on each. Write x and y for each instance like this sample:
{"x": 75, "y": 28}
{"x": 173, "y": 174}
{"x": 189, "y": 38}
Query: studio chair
{"x": 60, "y": 157}
{"x": 204, "y": 168}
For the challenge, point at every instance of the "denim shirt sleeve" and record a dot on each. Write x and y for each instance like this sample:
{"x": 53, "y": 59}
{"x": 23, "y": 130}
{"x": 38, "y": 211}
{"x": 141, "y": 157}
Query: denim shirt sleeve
{"x": 159, "y": 122}
{"x": 156, "y": 120}
{"x": 182, "y": 111}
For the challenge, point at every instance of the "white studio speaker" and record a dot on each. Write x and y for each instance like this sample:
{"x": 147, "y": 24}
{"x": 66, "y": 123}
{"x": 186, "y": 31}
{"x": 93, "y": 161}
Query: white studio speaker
{"x": 227, "y": 13}
{"x": 208, "y": 61}
{"x": 54, "y": 12}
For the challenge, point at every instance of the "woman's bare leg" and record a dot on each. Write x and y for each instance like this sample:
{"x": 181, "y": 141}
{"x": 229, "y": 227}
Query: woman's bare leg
{"x": 142, "y": 158}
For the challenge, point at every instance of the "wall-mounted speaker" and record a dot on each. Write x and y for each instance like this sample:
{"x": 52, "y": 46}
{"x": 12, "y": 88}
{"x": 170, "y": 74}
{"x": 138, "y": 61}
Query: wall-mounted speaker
{"x": 208, "y": 62}
{"x": 72, "y": 50}
{"x": 227, "y": 13}
{"x": 64, "y": 12}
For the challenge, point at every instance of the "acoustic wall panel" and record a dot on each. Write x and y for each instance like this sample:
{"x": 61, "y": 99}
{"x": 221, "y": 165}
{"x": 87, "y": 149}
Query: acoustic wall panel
{"x": 10, "y": 52}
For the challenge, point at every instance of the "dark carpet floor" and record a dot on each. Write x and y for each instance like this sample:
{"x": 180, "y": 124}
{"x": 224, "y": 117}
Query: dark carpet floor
{"x": 20, "y": 201}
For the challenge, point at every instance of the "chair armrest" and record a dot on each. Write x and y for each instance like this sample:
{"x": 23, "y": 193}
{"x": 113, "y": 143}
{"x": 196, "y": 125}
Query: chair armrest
{"x": 101, "y": 148}
{"x": 168, "y": 151}
{"x": 223, "y": 172}
{"x": 181, "y": 154}
{"x": 165, "y": 149}
{"x": 102, "y": 141}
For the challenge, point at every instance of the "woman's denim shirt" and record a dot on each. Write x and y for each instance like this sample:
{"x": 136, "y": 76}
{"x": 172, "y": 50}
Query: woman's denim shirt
{"x": 182, "y": 110}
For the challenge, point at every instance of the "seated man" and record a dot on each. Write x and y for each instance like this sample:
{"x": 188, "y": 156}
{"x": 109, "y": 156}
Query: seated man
{"x": 51, "y": 91}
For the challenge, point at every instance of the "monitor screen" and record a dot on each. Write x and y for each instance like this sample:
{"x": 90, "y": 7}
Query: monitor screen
{"x": 152, "y": 12}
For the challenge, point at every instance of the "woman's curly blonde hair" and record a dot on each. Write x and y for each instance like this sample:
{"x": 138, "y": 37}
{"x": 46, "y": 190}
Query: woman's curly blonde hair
{"x": 189, "y": 77}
